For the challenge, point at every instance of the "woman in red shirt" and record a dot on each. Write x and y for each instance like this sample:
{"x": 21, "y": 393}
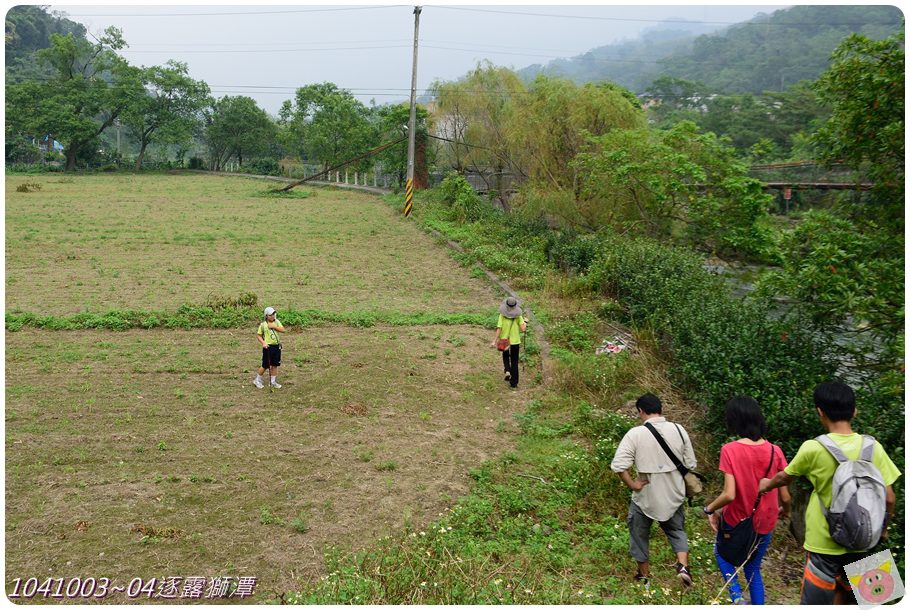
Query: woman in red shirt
{"x": 743, "y": 462}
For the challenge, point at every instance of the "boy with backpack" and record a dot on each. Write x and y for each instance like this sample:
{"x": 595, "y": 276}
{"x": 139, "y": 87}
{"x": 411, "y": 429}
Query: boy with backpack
{"x": 852, "y": 498}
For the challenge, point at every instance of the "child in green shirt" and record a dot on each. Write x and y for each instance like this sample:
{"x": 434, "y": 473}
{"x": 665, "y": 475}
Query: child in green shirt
{"x": 267, "y": 333}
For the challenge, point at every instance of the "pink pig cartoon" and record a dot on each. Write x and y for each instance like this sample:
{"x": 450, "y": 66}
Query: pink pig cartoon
{"x": 876, "y": 585}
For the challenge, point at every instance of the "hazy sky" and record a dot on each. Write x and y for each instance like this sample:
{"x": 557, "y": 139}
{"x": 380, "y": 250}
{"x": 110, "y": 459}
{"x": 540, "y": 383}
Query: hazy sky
{"x": 267, "y": 51}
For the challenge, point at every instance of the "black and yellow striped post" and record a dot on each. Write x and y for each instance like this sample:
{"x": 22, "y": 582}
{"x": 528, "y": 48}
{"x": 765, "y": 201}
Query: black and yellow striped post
{"x": 412, "y": 121}
{"x": 408, "y": 197}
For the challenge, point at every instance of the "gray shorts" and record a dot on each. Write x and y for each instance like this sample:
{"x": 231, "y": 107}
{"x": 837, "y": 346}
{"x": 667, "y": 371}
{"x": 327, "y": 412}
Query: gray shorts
{"x": 824, "y": 574}
{"x": 640, "y": 532}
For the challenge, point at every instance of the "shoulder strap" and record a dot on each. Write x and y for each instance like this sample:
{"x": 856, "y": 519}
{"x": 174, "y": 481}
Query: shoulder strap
{"x": 868, "y": 448}
{"x": 832, "y": 448}
{"x": 682, "y": 439}
{"x": 758, "y": 497}
{"x": 770, "y": 460}
{"x": 841, "y": 457}
{"x": 667, "y": 450}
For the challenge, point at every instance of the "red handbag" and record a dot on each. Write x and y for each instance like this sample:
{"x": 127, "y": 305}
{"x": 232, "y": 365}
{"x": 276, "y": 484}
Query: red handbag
{"x": 503, "y": 344}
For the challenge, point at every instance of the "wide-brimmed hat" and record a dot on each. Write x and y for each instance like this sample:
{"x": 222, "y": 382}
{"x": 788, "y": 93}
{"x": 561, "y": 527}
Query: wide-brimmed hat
{"x": 510, "y": 308}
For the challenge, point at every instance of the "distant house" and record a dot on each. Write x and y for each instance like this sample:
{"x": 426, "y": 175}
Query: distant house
{"x": 42, "y": 144}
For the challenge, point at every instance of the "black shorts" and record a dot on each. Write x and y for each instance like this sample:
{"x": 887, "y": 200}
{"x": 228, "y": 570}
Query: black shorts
{"x": 271, "y": 356}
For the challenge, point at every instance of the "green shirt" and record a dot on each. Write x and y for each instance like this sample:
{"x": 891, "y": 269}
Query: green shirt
{"x": 510, "y": 328}
{"x": 815, "y": 463}
{"x": 270, "y": 335}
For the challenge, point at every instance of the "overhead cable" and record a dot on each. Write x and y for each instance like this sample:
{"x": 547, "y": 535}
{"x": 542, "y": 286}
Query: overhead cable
{"x": 220, "y": 14}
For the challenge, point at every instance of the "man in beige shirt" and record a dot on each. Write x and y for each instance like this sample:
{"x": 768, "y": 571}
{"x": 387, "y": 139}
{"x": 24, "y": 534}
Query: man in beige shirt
{"x": 659, "y": 493}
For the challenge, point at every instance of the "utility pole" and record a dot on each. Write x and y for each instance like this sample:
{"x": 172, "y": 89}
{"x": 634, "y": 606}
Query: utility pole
{"x": 412, "y": 122}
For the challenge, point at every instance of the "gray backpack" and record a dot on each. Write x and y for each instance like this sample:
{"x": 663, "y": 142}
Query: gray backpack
{"x": 857, "y": 512}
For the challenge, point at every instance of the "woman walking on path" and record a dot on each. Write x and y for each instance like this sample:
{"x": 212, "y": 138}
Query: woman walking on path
{"x": 508, "y": 337}
{"x": 744, "y": 462}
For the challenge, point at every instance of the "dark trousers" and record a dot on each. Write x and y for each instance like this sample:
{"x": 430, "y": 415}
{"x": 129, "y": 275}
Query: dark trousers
{"x": 510, "y": 363}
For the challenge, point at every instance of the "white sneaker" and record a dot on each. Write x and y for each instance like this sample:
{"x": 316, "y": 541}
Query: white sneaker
{"x": 276, "y": 385}
{"x": 257, "y": 383}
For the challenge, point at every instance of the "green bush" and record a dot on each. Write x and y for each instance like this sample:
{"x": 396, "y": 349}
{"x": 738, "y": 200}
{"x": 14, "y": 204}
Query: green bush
{"x": 265, "y": 167}
{"x": 462, "y": 200}
{"x": 722, "y": 346}
{"x": 571, "y": 251}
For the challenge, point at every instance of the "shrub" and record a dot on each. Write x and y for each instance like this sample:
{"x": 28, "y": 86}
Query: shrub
{"x": 460, "y": 197}
{"x": 196, "y": 163}
{"x": 722, "y": 346}
{"x": 265, "y": 167}
{"x": 571, "y": 251}
{"x": 28, "y": 187}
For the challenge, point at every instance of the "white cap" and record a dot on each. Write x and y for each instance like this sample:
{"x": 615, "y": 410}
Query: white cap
{"x": 269, "y": 311}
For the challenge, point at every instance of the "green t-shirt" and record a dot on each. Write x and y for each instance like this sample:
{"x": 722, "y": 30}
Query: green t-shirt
{"x": 510, "y": 328}
{"x": 270, "y": 336}
{"x": 815, "y": 463}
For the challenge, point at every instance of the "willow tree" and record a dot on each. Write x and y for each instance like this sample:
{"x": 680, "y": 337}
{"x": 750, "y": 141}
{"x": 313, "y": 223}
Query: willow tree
{"x": 549, "y": 127}
{"x": 474, "y": 114}
{"x": 678, "y": 185}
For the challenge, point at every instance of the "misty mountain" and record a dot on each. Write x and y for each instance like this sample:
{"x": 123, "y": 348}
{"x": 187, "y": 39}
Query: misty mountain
{"x": 631, "y": 63}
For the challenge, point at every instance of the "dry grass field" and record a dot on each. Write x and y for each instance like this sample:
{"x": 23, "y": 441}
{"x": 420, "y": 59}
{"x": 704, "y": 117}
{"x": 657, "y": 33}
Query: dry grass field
{"x": 149, "y": 454}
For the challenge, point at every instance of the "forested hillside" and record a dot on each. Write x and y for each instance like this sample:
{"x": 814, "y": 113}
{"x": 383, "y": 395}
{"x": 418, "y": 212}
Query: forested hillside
{"x": 769, "y": 52}
{"x": 28, "y": 28}
{"x": 792, "y": 45}
{"x": 632, "y": 63}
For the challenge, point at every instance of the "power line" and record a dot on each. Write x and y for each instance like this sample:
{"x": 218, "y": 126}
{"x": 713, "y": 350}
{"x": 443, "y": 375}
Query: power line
{"x": 312, "y": 50}
{"x": 427, "y": 46}
{"x": 585, "y": 17}
{"x": 641, "y": 20}
{"x": 261, "y": 44}
{"x": 220, "y": 14}
{"x": 357, "y": 42}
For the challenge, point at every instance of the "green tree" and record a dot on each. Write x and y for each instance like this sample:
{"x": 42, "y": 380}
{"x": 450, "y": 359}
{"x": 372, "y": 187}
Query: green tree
{"x": 327, "y": 124}
{"x": 775, "y": 117}
{"x": 845, "y": 268}
{"x": 675, "y": 184}
{"x": 170, "y": 110}
{"x": 392, "y": 124}
{"x": 553, "y": 122}
{"x": 675, "y": 100}
{"x": 91, "y": 86}
{"x": 28, "y": 29}
{"x": 237, "y": 127}
{"x": 474, "y": 114}
{"x": 795, "y": 45}
{"x": 865, "y": 89}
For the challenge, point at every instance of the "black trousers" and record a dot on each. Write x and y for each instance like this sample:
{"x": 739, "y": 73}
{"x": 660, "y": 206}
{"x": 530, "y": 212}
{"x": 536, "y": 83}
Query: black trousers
{"x": 510, "y": 363}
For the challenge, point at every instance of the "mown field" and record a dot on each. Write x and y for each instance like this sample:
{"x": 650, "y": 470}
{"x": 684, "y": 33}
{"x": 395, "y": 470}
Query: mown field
{"x": 148, "y": 453}
{"x": 96, "y": 243}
